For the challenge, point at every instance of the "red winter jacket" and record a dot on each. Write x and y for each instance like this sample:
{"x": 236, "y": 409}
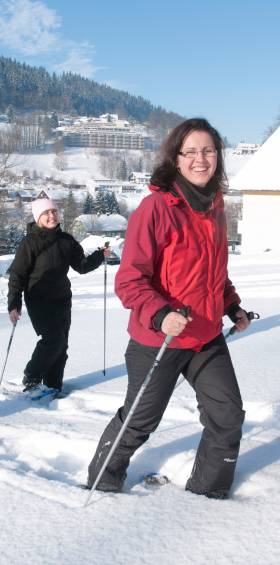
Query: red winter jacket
{"x": 175, "y": 256}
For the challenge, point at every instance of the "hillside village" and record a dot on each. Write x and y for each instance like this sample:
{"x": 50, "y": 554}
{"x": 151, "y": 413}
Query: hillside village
{"x": 83, "y": 161}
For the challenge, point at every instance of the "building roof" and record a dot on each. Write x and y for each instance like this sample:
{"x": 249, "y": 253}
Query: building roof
{"x": 113, "y": 222}
{"x": 262, "y": 171}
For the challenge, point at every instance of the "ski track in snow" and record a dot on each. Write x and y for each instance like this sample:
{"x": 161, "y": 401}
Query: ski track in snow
{"x": 45, "y": 449}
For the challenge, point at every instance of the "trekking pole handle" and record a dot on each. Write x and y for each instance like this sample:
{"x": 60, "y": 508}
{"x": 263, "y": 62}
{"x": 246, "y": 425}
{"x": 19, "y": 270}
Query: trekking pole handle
{"x": 185, "y": 311}
{"x": 105, "y": 247}
{"x": 250, "y": 316}
{"x": 253, "y": 316}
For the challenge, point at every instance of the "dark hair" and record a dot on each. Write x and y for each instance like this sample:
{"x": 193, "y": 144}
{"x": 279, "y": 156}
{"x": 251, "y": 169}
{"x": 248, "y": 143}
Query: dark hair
{"x": 165, "y": 172}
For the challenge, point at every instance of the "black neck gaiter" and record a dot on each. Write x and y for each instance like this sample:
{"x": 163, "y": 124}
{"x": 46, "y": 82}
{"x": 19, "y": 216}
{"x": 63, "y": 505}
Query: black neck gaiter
{"x": 199, "y": 198}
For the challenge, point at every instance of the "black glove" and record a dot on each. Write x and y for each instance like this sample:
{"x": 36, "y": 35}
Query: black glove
{"x": 159, "y": 317}
{"x": 232, "y": 311}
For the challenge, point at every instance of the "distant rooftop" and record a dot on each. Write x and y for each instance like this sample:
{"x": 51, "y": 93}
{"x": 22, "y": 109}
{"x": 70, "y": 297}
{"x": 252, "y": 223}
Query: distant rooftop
{"x": 246, "y": 148}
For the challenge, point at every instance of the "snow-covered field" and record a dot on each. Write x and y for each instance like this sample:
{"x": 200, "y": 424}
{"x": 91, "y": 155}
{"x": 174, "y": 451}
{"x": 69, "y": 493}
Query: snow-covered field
{"x": 44, "y": 451}
{"x": 83, "y": 163}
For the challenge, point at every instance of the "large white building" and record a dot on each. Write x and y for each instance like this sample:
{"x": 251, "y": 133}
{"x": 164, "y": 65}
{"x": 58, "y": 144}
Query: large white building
{"x": 111, "y": 185}
{"x": 140, "y": 177}
{"x": 107, "y": 131}
{"x": 259, "y": 182}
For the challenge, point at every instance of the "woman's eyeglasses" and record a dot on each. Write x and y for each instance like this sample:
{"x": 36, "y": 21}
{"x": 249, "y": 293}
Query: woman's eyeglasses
{"x": 52, "y": 212}
{"x": 192, "y": 153}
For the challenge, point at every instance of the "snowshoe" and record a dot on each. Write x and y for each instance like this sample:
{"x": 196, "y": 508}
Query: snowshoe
{"x": 156, "y": 479}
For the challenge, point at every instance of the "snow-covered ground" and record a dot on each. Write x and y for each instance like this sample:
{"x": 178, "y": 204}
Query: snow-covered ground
{"x": 44, "y": 451}
{"x": 83, "y": 164}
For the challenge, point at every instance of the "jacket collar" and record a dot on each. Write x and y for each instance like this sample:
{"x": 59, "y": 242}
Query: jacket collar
{"x": 171, "y": 196}
{"x": 33, "y": 228}
{"x": 175, "y": 197}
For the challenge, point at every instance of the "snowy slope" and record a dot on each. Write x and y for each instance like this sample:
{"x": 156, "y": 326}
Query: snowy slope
{"x": 83, "y": 164}
{"x": 44, "y": 451}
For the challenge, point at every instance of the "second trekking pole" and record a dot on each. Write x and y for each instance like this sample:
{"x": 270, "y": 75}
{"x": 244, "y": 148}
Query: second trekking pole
{"x": 105, "y": 309}
{"x": 8, "y": 350}
{"x": 167, "y": 340}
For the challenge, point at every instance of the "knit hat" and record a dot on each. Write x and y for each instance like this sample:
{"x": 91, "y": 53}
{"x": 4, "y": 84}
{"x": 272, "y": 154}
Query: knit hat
{"x": 42, "y": 205}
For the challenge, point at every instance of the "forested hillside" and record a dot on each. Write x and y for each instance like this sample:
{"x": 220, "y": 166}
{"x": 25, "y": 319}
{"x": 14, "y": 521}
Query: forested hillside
{"x": 27, "y": 88}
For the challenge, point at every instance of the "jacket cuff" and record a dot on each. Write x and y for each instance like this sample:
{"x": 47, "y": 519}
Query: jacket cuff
{"x": 15, "y": 305}
{"x": 97, "y": 257}
{"x": 232, "y": 311}
{"x": 159, "y": 317}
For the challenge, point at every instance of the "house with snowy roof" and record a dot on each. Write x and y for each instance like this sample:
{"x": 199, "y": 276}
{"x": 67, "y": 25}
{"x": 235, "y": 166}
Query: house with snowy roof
{"x": 259, "y": 183}
{"x": 107, "y": 225}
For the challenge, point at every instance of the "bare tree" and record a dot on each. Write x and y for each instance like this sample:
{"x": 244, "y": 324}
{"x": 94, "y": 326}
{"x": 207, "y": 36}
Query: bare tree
{"x": 271, "y": 129}
{"x": 31, "y": 129}
{"x": 21, "y": 214}
{"x": 70, "y": 211}
{"x": 3, "y": 215}
{"x": 233, "y": 211}
{"x": 58, "y": 145}
{"x": 9, "y": 143}
{"x": 60, "y": 162}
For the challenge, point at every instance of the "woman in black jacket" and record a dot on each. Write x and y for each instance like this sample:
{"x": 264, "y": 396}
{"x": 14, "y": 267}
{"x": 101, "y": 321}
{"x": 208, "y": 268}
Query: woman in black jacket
{"x": 39, "y": 270}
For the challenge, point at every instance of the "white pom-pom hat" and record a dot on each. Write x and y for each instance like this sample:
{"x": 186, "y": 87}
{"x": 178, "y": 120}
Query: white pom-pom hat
{"x": 42, "y": 205}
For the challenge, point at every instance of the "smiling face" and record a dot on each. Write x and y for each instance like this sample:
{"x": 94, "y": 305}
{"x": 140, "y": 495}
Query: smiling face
{"x": 49, "y": 219}
{"x": 200, "y": 167}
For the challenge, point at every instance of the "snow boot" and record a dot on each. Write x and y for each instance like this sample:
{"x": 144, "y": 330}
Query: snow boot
{"x": 219, "y": 494}
{"x": 109, "y": 482}
{"x": 30, "y": 382}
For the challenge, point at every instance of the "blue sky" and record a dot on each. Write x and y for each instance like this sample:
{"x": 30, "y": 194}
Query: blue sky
{"x": 211, "y": 58}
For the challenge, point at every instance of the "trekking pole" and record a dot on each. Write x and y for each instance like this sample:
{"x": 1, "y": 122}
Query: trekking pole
{"x": 185, "y": 312}
{"x": 250, "y": 316}
{"x": 8, "y": 350}
{"x": 105, "y": 309}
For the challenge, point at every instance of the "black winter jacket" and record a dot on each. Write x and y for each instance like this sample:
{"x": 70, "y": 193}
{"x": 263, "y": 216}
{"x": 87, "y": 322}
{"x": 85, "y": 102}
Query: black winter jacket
{"x": 41, "y": 264}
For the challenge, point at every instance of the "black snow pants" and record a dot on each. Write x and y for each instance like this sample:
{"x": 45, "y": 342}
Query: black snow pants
{"x": 50, "y": 320}
{"x": 211, "y": 374}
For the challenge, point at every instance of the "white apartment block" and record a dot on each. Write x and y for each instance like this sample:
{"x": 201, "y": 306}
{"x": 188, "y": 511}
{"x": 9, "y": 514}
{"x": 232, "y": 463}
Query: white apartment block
{"x": 118, "y": 187}
{"x": 140, "y": 178}
{"x": 107, "y": 131}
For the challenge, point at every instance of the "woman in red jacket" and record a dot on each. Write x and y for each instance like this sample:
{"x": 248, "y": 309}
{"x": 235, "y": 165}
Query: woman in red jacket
{"x": 175, "y": 254}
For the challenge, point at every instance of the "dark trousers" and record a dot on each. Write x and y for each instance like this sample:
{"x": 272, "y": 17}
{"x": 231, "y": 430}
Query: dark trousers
{"x": 52, "y": 322}
{"x": 211, "y": 374}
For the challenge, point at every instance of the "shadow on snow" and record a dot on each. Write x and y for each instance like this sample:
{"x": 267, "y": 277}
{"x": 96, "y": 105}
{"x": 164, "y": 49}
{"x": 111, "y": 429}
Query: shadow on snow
{"x": 18, "y": 402}
{"x": 257, "y": 326}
